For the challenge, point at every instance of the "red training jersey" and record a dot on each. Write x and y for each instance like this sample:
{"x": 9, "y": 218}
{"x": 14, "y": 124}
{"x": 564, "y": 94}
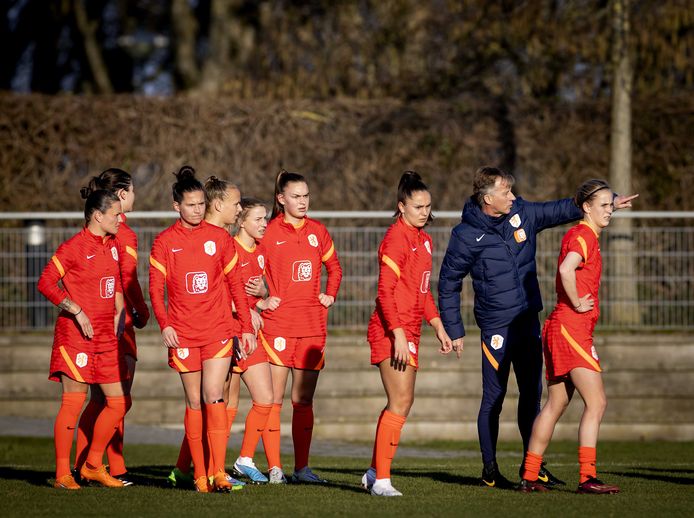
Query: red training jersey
{"x": 127, "y": 240}
{"x": 88, "y": 266}
{"x": 194, "y": 266}
{"x": 404, "y": 297}
{"x": 293, "y": 260}
{"x": 584, "y": 241}
{"x": 251, "y": 264}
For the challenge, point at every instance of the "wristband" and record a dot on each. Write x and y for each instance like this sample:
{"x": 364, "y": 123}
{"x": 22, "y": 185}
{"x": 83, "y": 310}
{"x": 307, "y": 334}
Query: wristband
{"x": 80, "y": 311}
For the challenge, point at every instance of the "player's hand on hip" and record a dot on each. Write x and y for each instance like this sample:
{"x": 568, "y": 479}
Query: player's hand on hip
{"x": 585, "y": 304}
{"x": 85, "y": 324}
{"x": 326, "y": 300}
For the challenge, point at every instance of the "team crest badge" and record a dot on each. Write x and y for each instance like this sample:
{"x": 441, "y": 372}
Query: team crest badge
{"x": 497, "y": 342}
{"x": 81, "y": 360}
{"x": 412, "y": 347}
{"x": 594, "y": 353}
{"x": 107, "y": 287}
{"x": 210, "y": 247}
{"x": 302, "y": 271}
{"x": 520, "y": 235}
{"x": 515, "y": 221}
{"x": 114, "y": 253}
{"x": 196, "y": 282}
{"x": 427, "y": 246}
{"x": 280, "y": 344}
{"x": 261, "y": 262}
{"x": 312, "y": 240}
{"x": 424, "y": 286}
{"x": 182, "y": 353}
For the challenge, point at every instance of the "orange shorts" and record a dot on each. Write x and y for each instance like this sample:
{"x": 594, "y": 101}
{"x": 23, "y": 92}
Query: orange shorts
{"x": 306, "y": 352}
{"x": 383, "y": 349}
{"x": 189, "y": 359}
{"x": 126, "y": 343}
{"x": 88, "y": 367}
{"x": 567, "y": 346}
{"x": 239, "y": 365}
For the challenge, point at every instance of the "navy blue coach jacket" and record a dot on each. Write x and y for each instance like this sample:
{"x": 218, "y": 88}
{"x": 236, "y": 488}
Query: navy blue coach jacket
{"x": 499, "y": 254}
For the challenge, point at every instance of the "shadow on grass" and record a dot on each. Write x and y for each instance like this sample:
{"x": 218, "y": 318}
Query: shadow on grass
{"x": 658, "y": 474}
{"x": 437, "y": 476}
{"x": 32, "y": 476}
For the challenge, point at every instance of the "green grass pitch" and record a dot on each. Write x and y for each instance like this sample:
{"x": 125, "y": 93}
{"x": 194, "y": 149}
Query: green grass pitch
{"x": 657, "y": 479}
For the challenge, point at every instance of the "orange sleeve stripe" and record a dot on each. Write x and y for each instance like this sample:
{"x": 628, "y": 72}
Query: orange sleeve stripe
{"x": 275, "y": 359}
{"x": 222, "y": 352}
{"x": 587, "y": 357}
{"x": 490, "y": 357}
{"x": 131, "y": 251}
{"x": 59, "y": 266}
{"x": 391, "y": 264}
{"x": 584, "y": 247}
{"x": 181, "y": 367}
{"x": 330, "y": 253}
{"x": 157, "y": 265}
{"x": 413, "y": 363}
{"x": 70, "y": 365}
{"x": 231, "y": 264}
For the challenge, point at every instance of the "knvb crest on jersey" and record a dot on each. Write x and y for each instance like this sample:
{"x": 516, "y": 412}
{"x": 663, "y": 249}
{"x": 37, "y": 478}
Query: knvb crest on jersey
{"x": 196, "y": 282}
{"x": 412, "y": 347}
{"x": 114, "y": 253}
{"x": 210, "y": 247}
{"x": 182, "y": 353}
{"x": 312, "y": 240}
{"x": 497, "y": 342}
{"x": 427, "y": 246}
{"x": 107, "y": 287}
{"x": 81, "y": 360}
{"x": 280, "y": 344}
{"x": 515, "y": 221}
{"x": 261, "y": 261}
{"x": 424, "y": 286}
{"x": 302, "y": 271}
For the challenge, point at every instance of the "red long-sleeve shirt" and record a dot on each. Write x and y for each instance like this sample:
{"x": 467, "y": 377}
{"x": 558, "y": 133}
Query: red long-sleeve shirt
{"x": 127, "y": 240}
{"x": 194, "y": 266}
{"x": 88, "y": 266}
{"x": 250, "y": 266}
{"x": 404, "y": 297}
{"x": 293, "y": 260}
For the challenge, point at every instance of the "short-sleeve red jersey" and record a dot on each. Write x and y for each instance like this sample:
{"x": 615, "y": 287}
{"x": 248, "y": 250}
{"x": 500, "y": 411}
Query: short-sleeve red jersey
{"x": 293, "y": 260}
{"x": 127, "y": 240}
{"x": 404, "y": 296}
{"x": 250, "y": 266}
{"x": 584, "y": 241}
{"x": 88, "y": 266}
{"x": 194, "y": 266}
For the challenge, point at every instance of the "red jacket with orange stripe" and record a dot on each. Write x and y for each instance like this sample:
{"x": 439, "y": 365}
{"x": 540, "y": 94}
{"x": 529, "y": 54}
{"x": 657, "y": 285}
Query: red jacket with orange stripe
{"x": 194, "y": 266}
{"x": 250, "y": 265}
{"x": 293, "y": 260}
{"x": 403, "y": 296}
{"x": 127, "y": 240}
{"x": 88, "y": 266}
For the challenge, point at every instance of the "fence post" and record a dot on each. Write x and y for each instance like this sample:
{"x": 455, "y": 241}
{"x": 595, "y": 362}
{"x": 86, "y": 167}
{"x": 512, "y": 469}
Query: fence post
{"x": 35, "y": 261}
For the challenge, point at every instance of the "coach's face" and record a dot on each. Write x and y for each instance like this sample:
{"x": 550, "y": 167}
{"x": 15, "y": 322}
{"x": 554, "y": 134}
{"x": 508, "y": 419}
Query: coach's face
{"x": 499, "y": 200}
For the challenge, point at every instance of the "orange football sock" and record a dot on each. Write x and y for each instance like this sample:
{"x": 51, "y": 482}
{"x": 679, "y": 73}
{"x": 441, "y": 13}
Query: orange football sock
{"x": 533, "y": 463}
{"x": 64, "y": 430}
{"x": 231, "y": 415}
{"x": 216, "y": 415}
{"x": 104, "y": 428}
{"x": 256, "y": 420}
{"x": 184, "y": 458}
{"x": 587, "y": 458}
{"x": 193, "y": 426}
{"x": 271, "y": 437}
{"x": 387, "y": 439}
{"x": 378, "y": 425}
{"x": 114, "y": 450}
{"x": 85, "y": 430}
{"x": 302, "y": 432}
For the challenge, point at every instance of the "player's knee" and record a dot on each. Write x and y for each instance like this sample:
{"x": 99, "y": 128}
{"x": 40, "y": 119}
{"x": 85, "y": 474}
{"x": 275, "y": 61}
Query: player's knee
{"x": 401, "y": 404}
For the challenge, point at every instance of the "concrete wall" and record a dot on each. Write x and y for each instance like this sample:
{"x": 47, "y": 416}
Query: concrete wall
{"x": 649, "y": 380}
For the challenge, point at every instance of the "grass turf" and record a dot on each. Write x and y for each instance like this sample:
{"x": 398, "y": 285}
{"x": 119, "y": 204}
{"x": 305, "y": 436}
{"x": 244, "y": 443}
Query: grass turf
{"x": 657, "y": 479}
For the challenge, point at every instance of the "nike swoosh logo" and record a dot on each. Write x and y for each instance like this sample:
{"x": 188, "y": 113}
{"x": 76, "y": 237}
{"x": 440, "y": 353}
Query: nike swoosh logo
{"x": 478, "y": 239}
{"x": 174, "y": 250}
{"x": 414, "y": 249}
{"x": 90, "y": 256}
{"x": 490, "y": 484}
{"x": 543, "y": 478}
{"x": 280, "y": 242}
{"x": 273, "y": 429}
{"x": 244, "y": 264}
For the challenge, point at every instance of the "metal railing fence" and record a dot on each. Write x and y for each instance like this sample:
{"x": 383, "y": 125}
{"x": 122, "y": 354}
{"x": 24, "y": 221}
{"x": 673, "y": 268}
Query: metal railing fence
{"x": 663, "y": 257}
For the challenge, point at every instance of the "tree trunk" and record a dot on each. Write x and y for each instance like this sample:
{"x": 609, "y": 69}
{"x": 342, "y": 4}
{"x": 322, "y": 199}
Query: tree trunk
{"x": 623, "y": 291}
{"x": 184, "y": 30}
{"x": 92, "y": 49}
{"x": 217, "y": 61}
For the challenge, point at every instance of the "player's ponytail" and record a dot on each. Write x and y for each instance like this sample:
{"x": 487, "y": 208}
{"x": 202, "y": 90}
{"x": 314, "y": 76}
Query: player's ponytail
{"x": 587, "y": 191}
{"x": 283, "y": 178}
{"x": 185, "y": 182}
{"x": 410, "y": 183}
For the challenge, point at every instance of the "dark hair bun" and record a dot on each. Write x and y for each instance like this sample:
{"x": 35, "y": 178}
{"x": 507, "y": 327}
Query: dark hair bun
{"x": 184, "y": 173}
{"x": 85, "y": 192}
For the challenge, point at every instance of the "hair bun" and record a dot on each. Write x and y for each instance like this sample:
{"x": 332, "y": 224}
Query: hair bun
{"x": 185, "y": 172}
{"x": 85, "y": 192}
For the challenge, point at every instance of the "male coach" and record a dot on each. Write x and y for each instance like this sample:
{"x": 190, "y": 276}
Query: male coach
{"x": 495, "y": 243}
